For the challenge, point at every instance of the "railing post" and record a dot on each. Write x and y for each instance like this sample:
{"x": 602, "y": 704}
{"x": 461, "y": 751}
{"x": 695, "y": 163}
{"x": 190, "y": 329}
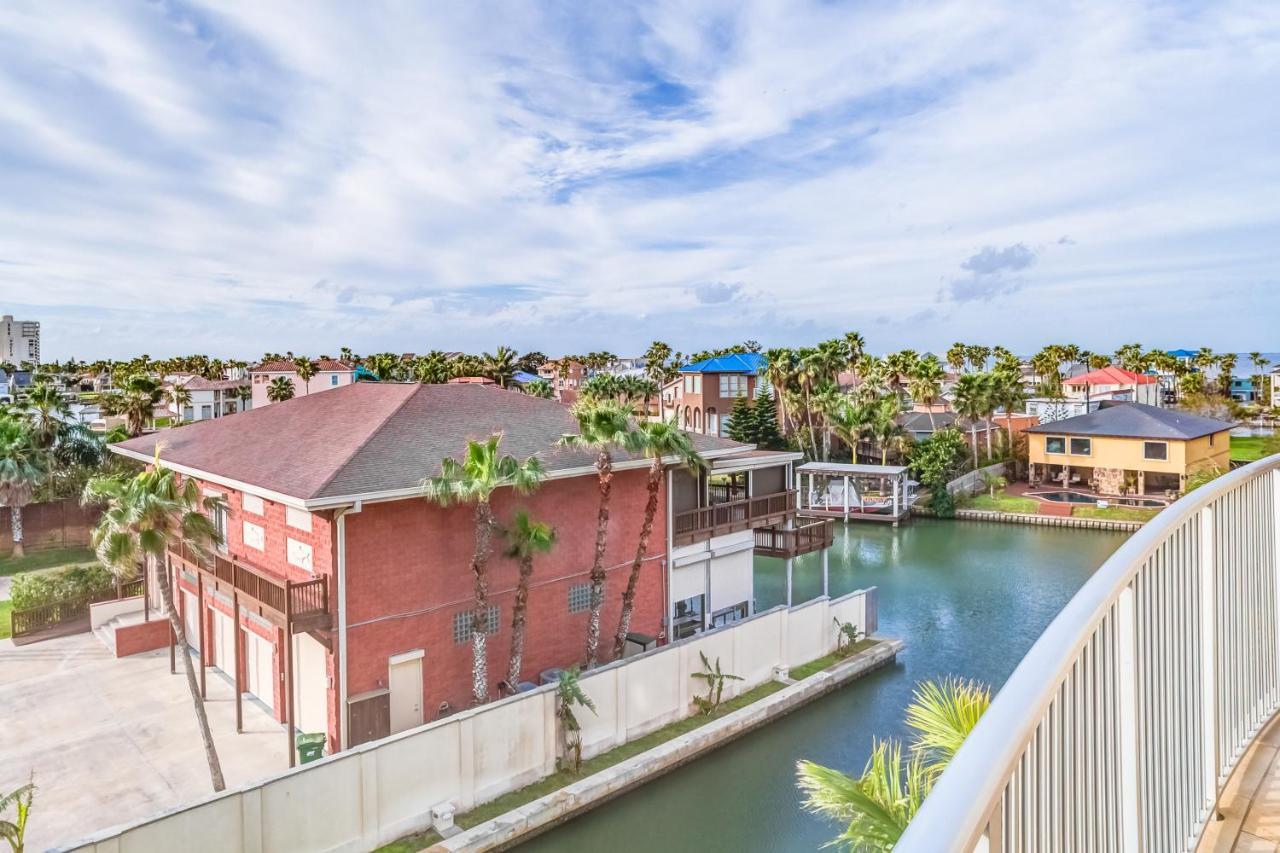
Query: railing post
{"x": 1208, "y": 654}
{"x": 1127, "y": 710}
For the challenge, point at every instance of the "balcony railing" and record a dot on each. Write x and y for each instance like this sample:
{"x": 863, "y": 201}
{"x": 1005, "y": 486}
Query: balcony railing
{"x": 302, "y": 602}
{"x": 802, "y": 539}
{"x": 718, "y": 519}
{"x": 1120, "y": 727}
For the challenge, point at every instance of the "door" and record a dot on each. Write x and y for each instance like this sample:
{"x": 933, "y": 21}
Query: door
{"x": 309, "y": 683}
{"x": 405, "y": 682}
{"x": 224, "y": 642}
{"x": 191, "y": 619}
{"x": 259, "y": 658}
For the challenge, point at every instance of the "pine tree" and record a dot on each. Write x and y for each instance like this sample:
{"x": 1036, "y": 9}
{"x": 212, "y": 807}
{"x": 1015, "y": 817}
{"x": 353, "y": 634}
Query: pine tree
{"x": 764, "y": 415}
{"x": 742, "y": 426}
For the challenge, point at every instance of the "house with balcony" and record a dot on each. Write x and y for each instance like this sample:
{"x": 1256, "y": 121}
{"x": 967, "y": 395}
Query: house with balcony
{"x": 701, "y": 397}
{"x": 565, "y": 378}
{"x": 342, "y": 599}
{"x": 210, "y": 398}
{"x": 1127, "y": 448}
{"x": 329, "y": 374}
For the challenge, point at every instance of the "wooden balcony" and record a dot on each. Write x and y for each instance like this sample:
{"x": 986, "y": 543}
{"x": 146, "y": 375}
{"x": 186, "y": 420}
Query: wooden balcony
{"x": 803, "y": 539}
{"x": 745, "y": 514}
{"x": 301, "y": 605}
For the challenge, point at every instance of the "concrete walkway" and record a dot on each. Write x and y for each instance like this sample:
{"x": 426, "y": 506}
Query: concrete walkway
{"x": 112, "y": 741}
{"x": 1250, "y": 804}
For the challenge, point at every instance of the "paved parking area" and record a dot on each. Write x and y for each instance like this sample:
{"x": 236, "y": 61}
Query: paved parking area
{"x": 112, "y": 741}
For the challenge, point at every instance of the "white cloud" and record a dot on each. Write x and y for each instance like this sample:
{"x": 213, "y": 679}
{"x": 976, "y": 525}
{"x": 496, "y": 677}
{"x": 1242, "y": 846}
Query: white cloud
{"x": 195, "y": 171}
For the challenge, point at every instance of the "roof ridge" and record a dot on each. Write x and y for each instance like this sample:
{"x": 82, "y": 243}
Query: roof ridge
{"x": 342, "y": 466}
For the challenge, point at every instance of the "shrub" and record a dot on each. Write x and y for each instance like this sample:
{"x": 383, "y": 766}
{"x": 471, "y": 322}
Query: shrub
{"x": 942, "y": 503}
{"x": 39, "y": 588}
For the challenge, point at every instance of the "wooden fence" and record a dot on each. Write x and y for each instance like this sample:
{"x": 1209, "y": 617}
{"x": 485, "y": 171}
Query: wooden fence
{"x": 70, "y": 615}
{"x": 58, "y": 524}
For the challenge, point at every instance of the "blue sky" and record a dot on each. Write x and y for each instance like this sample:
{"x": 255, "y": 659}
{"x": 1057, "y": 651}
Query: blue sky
{"x": 244, "y": 176}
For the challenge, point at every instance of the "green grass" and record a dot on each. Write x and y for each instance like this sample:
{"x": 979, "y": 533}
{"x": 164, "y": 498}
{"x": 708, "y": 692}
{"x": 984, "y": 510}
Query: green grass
{"x": 562, "y": 778}
{"x": 814, "y": 666}
{"x": 1249, "y": 448}
{"x": 1115, "y": 513}
{"x": 6, "y": 608}
{"x": 1001, "y": 503}
{"x": 46, "y": 560}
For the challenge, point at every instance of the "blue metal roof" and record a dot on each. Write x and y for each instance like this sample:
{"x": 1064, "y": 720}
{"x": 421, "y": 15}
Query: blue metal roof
{"x": 522, "y": 377}
{"x": 737, "y": 362}
{"x": 1182, "y": 353}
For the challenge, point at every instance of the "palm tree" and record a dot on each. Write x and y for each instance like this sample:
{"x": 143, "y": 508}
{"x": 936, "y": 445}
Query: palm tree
{"x": 780, "y": 373}
{"x": 539, "y": 388}
{"x": 47, "y": 411}
{"x": 658, "y": 440}
{"x": 876, "y": 806}
{"x": 145, "y": 516}
{"x": 482, "y": 472}
{"x": 180, "y": 397}
{"x": 957, "y": 356}
{"x": 1260, "y": 367}
{"x": 500, "y": 366}
{"x": 432, "y": 368}
{"x": 1007, "y": 393}
{"x": 602, "y": 428}
{"x": 306, "y": 369}
{"x": 24, "y": 465}
{"x": 971, "y": 394}
{"x": 855, "y": 346}
{"x": 978, "y": 356}
{"x": 885, "y": 429}
{"x": 244, "y": 394}
{"x": 1227, "y": 368}
{"x": 137, "y": 399}
{"x": 925, "y": 384}
{"x": 526, "y": 539}
{"x": 280, "y": 389}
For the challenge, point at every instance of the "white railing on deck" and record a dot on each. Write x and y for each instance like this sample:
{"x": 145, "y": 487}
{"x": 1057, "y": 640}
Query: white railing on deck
{"x": 1122, "y": 723}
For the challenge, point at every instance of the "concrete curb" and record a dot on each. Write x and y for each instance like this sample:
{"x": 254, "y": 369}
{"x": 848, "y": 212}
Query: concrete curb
{"x": 581, "y": 796}
{"x": 1041, "y": 520}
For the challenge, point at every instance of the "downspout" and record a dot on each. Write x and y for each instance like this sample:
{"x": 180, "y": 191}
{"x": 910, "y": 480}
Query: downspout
{"x": 341, "y": 516}
{"x": 670, "y": 605}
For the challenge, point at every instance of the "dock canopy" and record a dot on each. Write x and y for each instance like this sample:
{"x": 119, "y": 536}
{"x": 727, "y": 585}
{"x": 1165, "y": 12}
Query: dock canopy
{"x": 855, "y": 491}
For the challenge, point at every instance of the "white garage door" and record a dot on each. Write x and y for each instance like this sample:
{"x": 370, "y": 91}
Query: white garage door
{"x": 191, "y": 619}
{"x": 259, "y": 661}
{"x": 310, "y": 681}
{"x": 224, "y": 643}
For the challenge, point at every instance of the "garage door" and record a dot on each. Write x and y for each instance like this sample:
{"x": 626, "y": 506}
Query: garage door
{"x": 224, "y": 643}
{"x": 190, "y": 619}
{"x": 310, "y": 682}
{"x": 259, "y": 657}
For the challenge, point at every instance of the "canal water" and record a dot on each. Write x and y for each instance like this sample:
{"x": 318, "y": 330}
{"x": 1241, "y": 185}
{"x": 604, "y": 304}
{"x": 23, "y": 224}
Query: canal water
{"x": 968, "y": 598}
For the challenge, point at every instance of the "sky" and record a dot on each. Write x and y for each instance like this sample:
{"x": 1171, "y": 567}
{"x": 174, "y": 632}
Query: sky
{"x": 242, "y": 177}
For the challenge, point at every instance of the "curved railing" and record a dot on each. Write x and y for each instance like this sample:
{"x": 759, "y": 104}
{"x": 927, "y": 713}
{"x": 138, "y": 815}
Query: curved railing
{"x": 1122, "y": 723}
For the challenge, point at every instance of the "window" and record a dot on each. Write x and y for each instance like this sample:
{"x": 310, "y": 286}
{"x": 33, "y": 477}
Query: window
{"x": 713, "y": 422}
{"x": 298, "y": 518}
{"x": 688, "y": 619}
{"x": 252, "y": 503}
{"x": 1211, "y": 439}
{"x": 1081, "y": 446}
{"x": 688, "y": 384}
{"x": 254, "y": 536}
{"x": 1155, "y": 450}
{"x": 1055, "y": 444}
{"x": 579, "y": 597}
{"x": 733, "y": 385}
{"x": 299, "y": 554}
{"x": 333, "y": 380}
{"x": 729, "y": 615}
{"x": 462, "y": 621}
{"x": 218, "y": 515}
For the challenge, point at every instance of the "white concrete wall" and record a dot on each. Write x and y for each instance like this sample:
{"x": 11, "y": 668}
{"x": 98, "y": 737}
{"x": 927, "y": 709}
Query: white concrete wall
{"x": 971, "y": 483}
{"x": 378, "y": 792}
{"x": 103, "y": 612}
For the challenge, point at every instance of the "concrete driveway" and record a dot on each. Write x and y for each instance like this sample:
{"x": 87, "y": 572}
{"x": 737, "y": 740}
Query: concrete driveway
{"x": 112, "y": 741}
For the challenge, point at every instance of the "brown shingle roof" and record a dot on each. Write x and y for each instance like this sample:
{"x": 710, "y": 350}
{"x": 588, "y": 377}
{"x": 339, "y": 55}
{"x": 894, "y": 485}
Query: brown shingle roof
{"x": 285, "y": 366}
{"x": 372, "y": 437}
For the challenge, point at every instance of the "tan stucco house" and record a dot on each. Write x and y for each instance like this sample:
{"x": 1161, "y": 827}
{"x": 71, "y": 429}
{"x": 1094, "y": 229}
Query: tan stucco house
{"x": 1127, "y": 448}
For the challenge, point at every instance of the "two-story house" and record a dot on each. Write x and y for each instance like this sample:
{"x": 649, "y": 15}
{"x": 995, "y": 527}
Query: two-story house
{"x": 343, "y": 599}
{"x": 209, "y": 398}
{"x": 565, "y": 378}
{"x": 701, "y": 397}
{"x": 329, "y": 374}
{"x": 1085, "y": 392}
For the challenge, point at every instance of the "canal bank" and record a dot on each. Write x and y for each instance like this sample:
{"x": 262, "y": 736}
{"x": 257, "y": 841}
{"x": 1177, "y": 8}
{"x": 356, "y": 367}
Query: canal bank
{"x": 968, "y": 598}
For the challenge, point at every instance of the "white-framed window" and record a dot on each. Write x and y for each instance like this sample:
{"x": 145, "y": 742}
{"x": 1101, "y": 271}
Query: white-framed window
{"x": 254, "y": 536}
{"x": 733, "y": 385}
{"x": 688, "y": 617}
{"x": 1081, "y": 447}
{"x": 688, "y": 384}
{"x": 462, "y": 621}
{"x": 1055, "y": 444}
{"x": 299, "y": 554}
{"x": 579, "y": 597}
{"x": 1157, "y": 450}
{"x": 333, "y": 380}
{"x": 298, "y": 518}
{"x": 253, "y": 504}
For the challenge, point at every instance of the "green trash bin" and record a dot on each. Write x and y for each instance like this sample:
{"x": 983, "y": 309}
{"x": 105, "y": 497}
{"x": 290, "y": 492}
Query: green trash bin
{"x": 310, "y": 747}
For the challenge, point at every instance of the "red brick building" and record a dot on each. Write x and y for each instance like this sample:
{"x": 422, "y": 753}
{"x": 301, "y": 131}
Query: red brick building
{"x": 330, "y": 544}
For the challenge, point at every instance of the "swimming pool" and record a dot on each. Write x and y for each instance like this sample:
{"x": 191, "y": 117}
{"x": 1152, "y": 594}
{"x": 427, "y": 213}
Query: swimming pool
{"x": 1077, "y": 498}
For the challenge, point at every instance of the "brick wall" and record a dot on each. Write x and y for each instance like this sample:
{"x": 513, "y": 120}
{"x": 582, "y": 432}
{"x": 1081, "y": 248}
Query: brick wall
{"x": 408, "y": 574}
{"x": 58, "y": 524}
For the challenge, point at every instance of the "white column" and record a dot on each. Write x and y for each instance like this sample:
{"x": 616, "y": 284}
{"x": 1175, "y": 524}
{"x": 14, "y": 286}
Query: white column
{"x": 1127, "y": 714}
{"x": 846, "y": 497}
{"x": 826, "y": 590}
{"x": 895, "y": 497}
{"x": 790, "y": 565}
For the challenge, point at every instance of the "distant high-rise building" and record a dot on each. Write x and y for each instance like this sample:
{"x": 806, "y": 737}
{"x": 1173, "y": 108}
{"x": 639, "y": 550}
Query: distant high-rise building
{"x": 19, "y": 340}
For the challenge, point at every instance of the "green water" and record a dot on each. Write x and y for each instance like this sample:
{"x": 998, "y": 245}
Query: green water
{"x": 968, "y": 598}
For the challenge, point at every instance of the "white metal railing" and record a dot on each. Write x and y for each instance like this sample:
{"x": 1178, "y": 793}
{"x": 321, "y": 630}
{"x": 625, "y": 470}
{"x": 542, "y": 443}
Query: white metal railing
{"x": 1119, "y": 728}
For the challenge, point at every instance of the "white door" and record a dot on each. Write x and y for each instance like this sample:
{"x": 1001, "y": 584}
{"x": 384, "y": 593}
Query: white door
{"x": 310, "y": 681}
{"x": 405, "y": 683}
{"x": 259, "y": 657}
{"x": 191, "y": 619}
{"x": 224, "y": 642}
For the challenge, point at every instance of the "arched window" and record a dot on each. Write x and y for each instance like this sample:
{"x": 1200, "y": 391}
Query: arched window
{"x": 688, "y": 420}
{"x": 697, "y": 420}
{"x": 713, "y": 422}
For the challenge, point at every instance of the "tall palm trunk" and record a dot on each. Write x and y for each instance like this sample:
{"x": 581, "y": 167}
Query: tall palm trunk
{"x": 15, "y": 521}
{"x": 180, "y": 638}
{"x": 479, "y": 614}
{"x": 973, "y": 442}
{"x": 989, "y": 436}
{"x": 633, "y": 580}
{"x": 604, "y": 469}
{"x": 519, "y": 613}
